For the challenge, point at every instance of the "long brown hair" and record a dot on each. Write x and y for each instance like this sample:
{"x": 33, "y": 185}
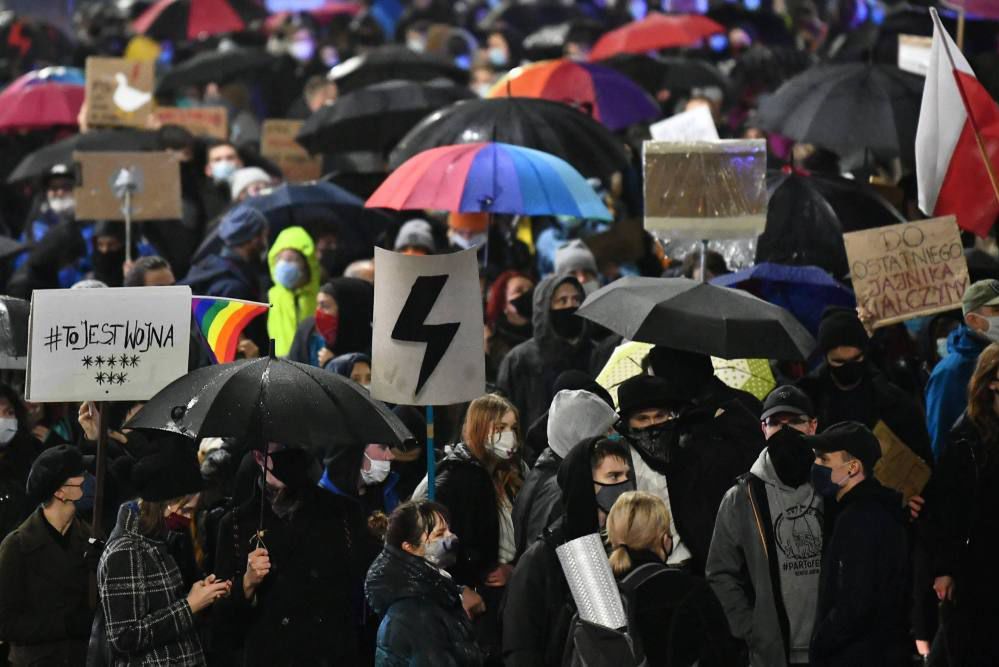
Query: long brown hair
{"x": 981, "y": 399}
{"x": 483, "y": 414}
{"x": 152, "y": 519}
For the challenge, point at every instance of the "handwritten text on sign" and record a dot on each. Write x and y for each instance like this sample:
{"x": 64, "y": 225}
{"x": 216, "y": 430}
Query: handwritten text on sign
{"x": 907, "y": 270}
{"x": 107, "y": 344}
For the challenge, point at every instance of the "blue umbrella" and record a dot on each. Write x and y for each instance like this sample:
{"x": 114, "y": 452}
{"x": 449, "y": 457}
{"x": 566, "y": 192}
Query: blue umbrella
{"x": 803, "y": 290}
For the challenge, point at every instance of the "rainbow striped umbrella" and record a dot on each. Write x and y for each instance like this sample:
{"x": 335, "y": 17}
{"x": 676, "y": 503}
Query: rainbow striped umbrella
{"x": 489, "y": 177}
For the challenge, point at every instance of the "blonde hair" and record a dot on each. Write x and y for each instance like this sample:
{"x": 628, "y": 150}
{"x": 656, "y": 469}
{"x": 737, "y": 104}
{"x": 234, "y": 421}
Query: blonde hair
{"x": 637, "y": 521}
{"x": 483, "y": 414}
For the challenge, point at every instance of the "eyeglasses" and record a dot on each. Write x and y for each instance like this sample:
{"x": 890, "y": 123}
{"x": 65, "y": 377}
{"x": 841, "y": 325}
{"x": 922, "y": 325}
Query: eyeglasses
{"x": 774, "y": 422}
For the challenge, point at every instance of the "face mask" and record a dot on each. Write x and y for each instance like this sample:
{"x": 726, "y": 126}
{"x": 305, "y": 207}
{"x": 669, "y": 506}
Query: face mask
{"x": 590, "y": 286}
{"x": 62, "y": 204}
{"x": 287, "y": 274}
{"x": 377, "y": 473}
{"x": 498, "y": 57}
{"x": 503, "y": 445}
{"x": 178, "y": 522}
{"x": 292, "y": 467}
{"x": 417, "y": 45}
{"x": 609, "y": 493}
{"x": 466, "y": 242}
{"x": 223, "y": 170}
{"x": 566, "y": 324}
{"x": 524, "y": 305}
{"x": 327, "y": 326}
{"x": 993, "y": 333}
{"x": 791, "y": 458}
{"x": 848, "y": 374}
{"x": 942, "y": 347}
{"x": 823, "y": 482}
{"x": 302, "y": 50}
{"x": 441, "y": 553}
{"x": 108, "y": 266}
{"x": 8, "y": 429}
{"x": 482, "y": 89}
{"x": 89, "y": 489}
{"x": 652, "y": 441}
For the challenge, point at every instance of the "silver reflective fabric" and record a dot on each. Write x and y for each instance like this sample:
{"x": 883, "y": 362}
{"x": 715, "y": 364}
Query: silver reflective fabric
{"x": 591, "y": 581}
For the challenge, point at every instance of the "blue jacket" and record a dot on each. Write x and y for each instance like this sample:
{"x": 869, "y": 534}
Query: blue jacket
{"x": 947, "y": 389}
{"x": 224, "y": 275}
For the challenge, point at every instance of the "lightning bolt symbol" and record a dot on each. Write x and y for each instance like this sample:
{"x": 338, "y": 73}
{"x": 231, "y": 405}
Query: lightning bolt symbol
{"x": 411, "y": 327}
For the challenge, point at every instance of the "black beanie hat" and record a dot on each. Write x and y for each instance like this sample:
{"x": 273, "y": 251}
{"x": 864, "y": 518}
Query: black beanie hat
{"x": 51, "y": 470}
{"x": 686, "y": 369}
{"x": 841, "y": 327}
{"x": 170, "y": 471}
{"x": 643, "y": 392}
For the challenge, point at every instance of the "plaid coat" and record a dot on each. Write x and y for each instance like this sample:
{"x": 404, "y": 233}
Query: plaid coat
{"x": 147, "y": 618}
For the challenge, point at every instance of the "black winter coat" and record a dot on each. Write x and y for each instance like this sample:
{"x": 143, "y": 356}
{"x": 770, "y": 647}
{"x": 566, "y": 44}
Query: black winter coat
{"x": 424, "y": 622}
{"x": 538, "y": 500}
{"x": 864, "y": 586}
{"x": 302, "y": 614}
{"x": 15, "y": 463}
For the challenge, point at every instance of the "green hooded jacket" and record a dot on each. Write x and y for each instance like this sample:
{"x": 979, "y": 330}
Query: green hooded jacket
{"x": 290, "y": 307}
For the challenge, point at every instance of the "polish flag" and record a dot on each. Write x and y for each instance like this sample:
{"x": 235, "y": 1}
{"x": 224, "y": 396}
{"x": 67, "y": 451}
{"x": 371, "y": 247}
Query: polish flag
{"x": 953, "y": 175}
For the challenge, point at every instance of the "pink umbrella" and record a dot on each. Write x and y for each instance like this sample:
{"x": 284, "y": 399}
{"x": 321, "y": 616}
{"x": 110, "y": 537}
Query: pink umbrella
{"x": 654, "y": 32}
{"x": 33, "y": 104}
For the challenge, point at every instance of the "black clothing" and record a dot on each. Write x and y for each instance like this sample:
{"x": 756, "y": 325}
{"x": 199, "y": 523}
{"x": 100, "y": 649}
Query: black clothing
{"x": 537, "y": 501}
{"x": 465, "y": 487}
{"x": 15, "y": 464}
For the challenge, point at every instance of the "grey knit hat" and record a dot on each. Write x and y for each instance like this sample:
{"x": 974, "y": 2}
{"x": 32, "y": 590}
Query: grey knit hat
{"x": 575, "y": 256}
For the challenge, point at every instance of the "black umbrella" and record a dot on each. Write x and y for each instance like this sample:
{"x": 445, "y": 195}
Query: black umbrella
{"x": 807, "y": 216}
{"x": 672, "y": 73}
{"x": 698, "y": 317}
{"x": 548, "y": 126}
{"x": 549, "y": 42}
{"x": 272, "y": 400}
{"x": 376, "y": 117}
{"x": 393, "y": 62}
{"x": 848, "y": 107}
{"x": 214, "y": 67}
{"x": 528, "y": 16}
{"x": 14, "y": 326}
{"x": 762, "y": 25}
{"x": 61, "y": 152}
{"x": 358, "y": 172}
{"x": 762, "y": 68}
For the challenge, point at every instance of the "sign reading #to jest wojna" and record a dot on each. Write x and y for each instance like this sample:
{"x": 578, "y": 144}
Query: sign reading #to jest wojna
{"x": 107, "y": 344}
{"x": 908, "y": 270}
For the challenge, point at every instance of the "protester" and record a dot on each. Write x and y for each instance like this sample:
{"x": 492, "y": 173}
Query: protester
{"x": 236, "y": 272}
{"x": 424, "y": 615}
{"x": 295, "y": 272}
{"x": 677, "y": 618}
{"x": 696, "y": 373}
{"x": 45, "y": 612}
{"x": 508, "y": 317}
{"x": 61, "y": 248}
{"x": 108, "y": 253}
{"x": 18, "y": 450}
{"x": 577, "y": 260}
{"x": 415, "y": 237}
{"x": 248, "y": 182}
{"x": 222, "y": 161}
{"x": 355, "y": 365}
{"x": 340, "y": 325}
{"x": 863, "y": 599}
{"x": 151, "y": 271}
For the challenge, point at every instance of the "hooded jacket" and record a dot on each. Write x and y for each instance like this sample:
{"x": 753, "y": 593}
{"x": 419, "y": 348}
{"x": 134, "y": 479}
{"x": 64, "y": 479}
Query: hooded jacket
{"x": 423, "y": 621}
{"x": 290, "y": 307}
{"x": 527, "y": 374}
{"x": 355, "y": 300}
{"x": 946, "y": 391}
{"x": 762, "y": 525}
{"x": 61, "y": 246}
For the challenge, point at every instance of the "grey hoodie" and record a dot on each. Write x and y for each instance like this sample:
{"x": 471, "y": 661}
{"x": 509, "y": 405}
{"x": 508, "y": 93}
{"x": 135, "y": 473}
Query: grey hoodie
{"x": 739, "y": 567}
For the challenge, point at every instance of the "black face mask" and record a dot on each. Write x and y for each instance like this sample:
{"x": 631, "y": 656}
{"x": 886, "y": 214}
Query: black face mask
{"x": 108, "y": 267}
{"x": 652, "y": 441}
{"x": 609, "y": 493}
{"x": 791, "y": 457}
{"x": 849, "y": 373}
{"x": 524, "y": 304}
{"x": 566, "y": 323}
{"x": 293, "y": 467}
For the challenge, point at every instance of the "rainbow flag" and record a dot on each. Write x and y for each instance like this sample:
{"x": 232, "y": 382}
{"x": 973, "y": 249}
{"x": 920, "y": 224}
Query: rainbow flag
{"x": 222, "y": 320}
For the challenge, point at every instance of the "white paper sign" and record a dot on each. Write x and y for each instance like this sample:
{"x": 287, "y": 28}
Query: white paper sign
{"x": 694, "y": 125}
{"x": 427, "y": 344}
{"x": 111, "y": 344}
{"x": 914, "y": 53}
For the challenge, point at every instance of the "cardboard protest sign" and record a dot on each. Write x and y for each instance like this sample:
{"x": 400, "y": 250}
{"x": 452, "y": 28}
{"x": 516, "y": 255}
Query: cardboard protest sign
{"x": 427, "y": 345}
{"x": 694, "y": 125}
{"x": 157, "y": 186}
{"x": 199, "y": 121}
{"x": 907, "y": 270}
{"x": 704, "y": 190}
{"x": 899, "y": 468}
{"x": 119, "y": 92}
{"x": 914, "y": 53}
{"x": 277, "y": 143}
{"x": 111, "y": 344}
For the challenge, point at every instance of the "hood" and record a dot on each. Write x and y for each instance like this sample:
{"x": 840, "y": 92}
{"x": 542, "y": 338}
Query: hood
{"x": 574, "y": 416}
{"x": 396, "y": 575}
{"x": 344, "y": 364}
{"x": 541, "y": 319}
{"x": 764, "y": 469}
{"x": 202, "y": 275}
{"x": 296, "y": 238}
{"x": 356, "y": 300}
{"x": 579, "y": 502}
{"x": 965, "y": 342}
{"x": 61, "y": 245}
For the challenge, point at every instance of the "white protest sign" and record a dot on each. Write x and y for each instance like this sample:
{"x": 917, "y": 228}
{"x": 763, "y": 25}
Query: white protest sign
{"x": 111, "y": 344}
{"x": 694, "y": 125}
{"x": 427, "y": 344}
{"x": 914, "y": 53}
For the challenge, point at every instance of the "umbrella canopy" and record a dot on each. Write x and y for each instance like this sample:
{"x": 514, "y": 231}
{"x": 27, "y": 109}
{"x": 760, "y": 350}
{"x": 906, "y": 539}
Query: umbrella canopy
{"x": 214, "y": 67}
{"x": 805, "y": 291}
{"x": 762, "y": 25}
{"x": 67, "y": 75}
{"x": 393, "y": 62}
{"x": 654, "y": 73}
{"x": 14, "y": 326}
{"x": 549, "y": 41}
{"x": 35, "y": 164}
{"x": 807, "y": 216}
{"x": 39, "y": 105}
{"x": 698, "y": 317}
{"x": 528, "y": 16}
{"x": 490, "y": 177}
{"x": 540, "y": 124}
{"x": 290, "y": 204}
{"x": 358, "y": 172}
{"x": 272, "y": 400}
{"x": 376, "y": 117}
{"x": 180, "y": 20}
{"x": 323, "y": 13}
{"x": 848, "y": 107}
{"x": 608, "y": 96}
{"x": 654, "y": 32}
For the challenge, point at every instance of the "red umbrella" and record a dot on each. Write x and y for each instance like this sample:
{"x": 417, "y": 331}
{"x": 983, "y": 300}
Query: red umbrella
{"x": 654, "y": 32}
{"x": 39, "y": 105}
{"x": 193, "y": 19}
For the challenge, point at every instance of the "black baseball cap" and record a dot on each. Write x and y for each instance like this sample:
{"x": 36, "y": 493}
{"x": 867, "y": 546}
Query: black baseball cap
{"x": 787, "y": 399}
{"x": 851, "y": 437}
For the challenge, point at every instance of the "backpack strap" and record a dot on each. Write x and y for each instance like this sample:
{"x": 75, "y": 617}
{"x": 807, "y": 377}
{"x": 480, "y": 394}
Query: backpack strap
{"x": 757, "y": 491}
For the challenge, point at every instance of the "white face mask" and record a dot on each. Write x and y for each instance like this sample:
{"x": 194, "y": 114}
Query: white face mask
{"x": 8, "y": 429}
{"x": 482, "y": 89}
{"x": 62, "y": 204}
{"x": 466, "y": 242}
{"x": 377, "y": 473}
{"x": 503, "y": 445}
{"x": 993, "y": 331}
{"x": 941, "y": 347}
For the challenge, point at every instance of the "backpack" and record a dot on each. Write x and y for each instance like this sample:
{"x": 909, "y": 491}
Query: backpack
{"x": 591, "y": 645}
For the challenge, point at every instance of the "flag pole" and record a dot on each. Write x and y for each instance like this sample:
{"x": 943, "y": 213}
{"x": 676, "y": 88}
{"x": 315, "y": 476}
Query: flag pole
{"x": 431, "y": 461}
{"x": 989, "y": 168}
{"x": 960, "y": 29}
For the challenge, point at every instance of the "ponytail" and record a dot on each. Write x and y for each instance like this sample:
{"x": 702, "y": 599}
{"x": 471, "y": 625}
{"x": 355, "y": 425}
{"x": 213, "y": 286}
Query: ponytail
{"x": 620, "y": 560}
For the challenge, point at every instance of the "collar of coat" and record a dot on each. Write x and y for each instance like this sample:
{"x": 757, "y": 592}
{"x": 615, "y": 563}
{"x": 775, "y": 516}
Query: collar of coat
{"x": 35, "y": 534}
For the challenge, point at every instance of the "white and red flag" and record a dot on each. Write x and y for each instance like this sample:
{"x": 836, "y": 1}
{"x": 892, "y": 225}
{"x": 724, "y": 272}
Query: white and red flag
{"x": 957, "y": 141}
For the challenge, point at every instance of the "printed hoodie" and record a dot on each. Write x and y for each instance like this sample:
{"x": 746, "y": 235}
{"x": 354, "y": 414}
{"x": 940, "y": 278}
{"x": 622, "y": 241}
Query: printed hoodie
{"x": 290, "y": 307}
